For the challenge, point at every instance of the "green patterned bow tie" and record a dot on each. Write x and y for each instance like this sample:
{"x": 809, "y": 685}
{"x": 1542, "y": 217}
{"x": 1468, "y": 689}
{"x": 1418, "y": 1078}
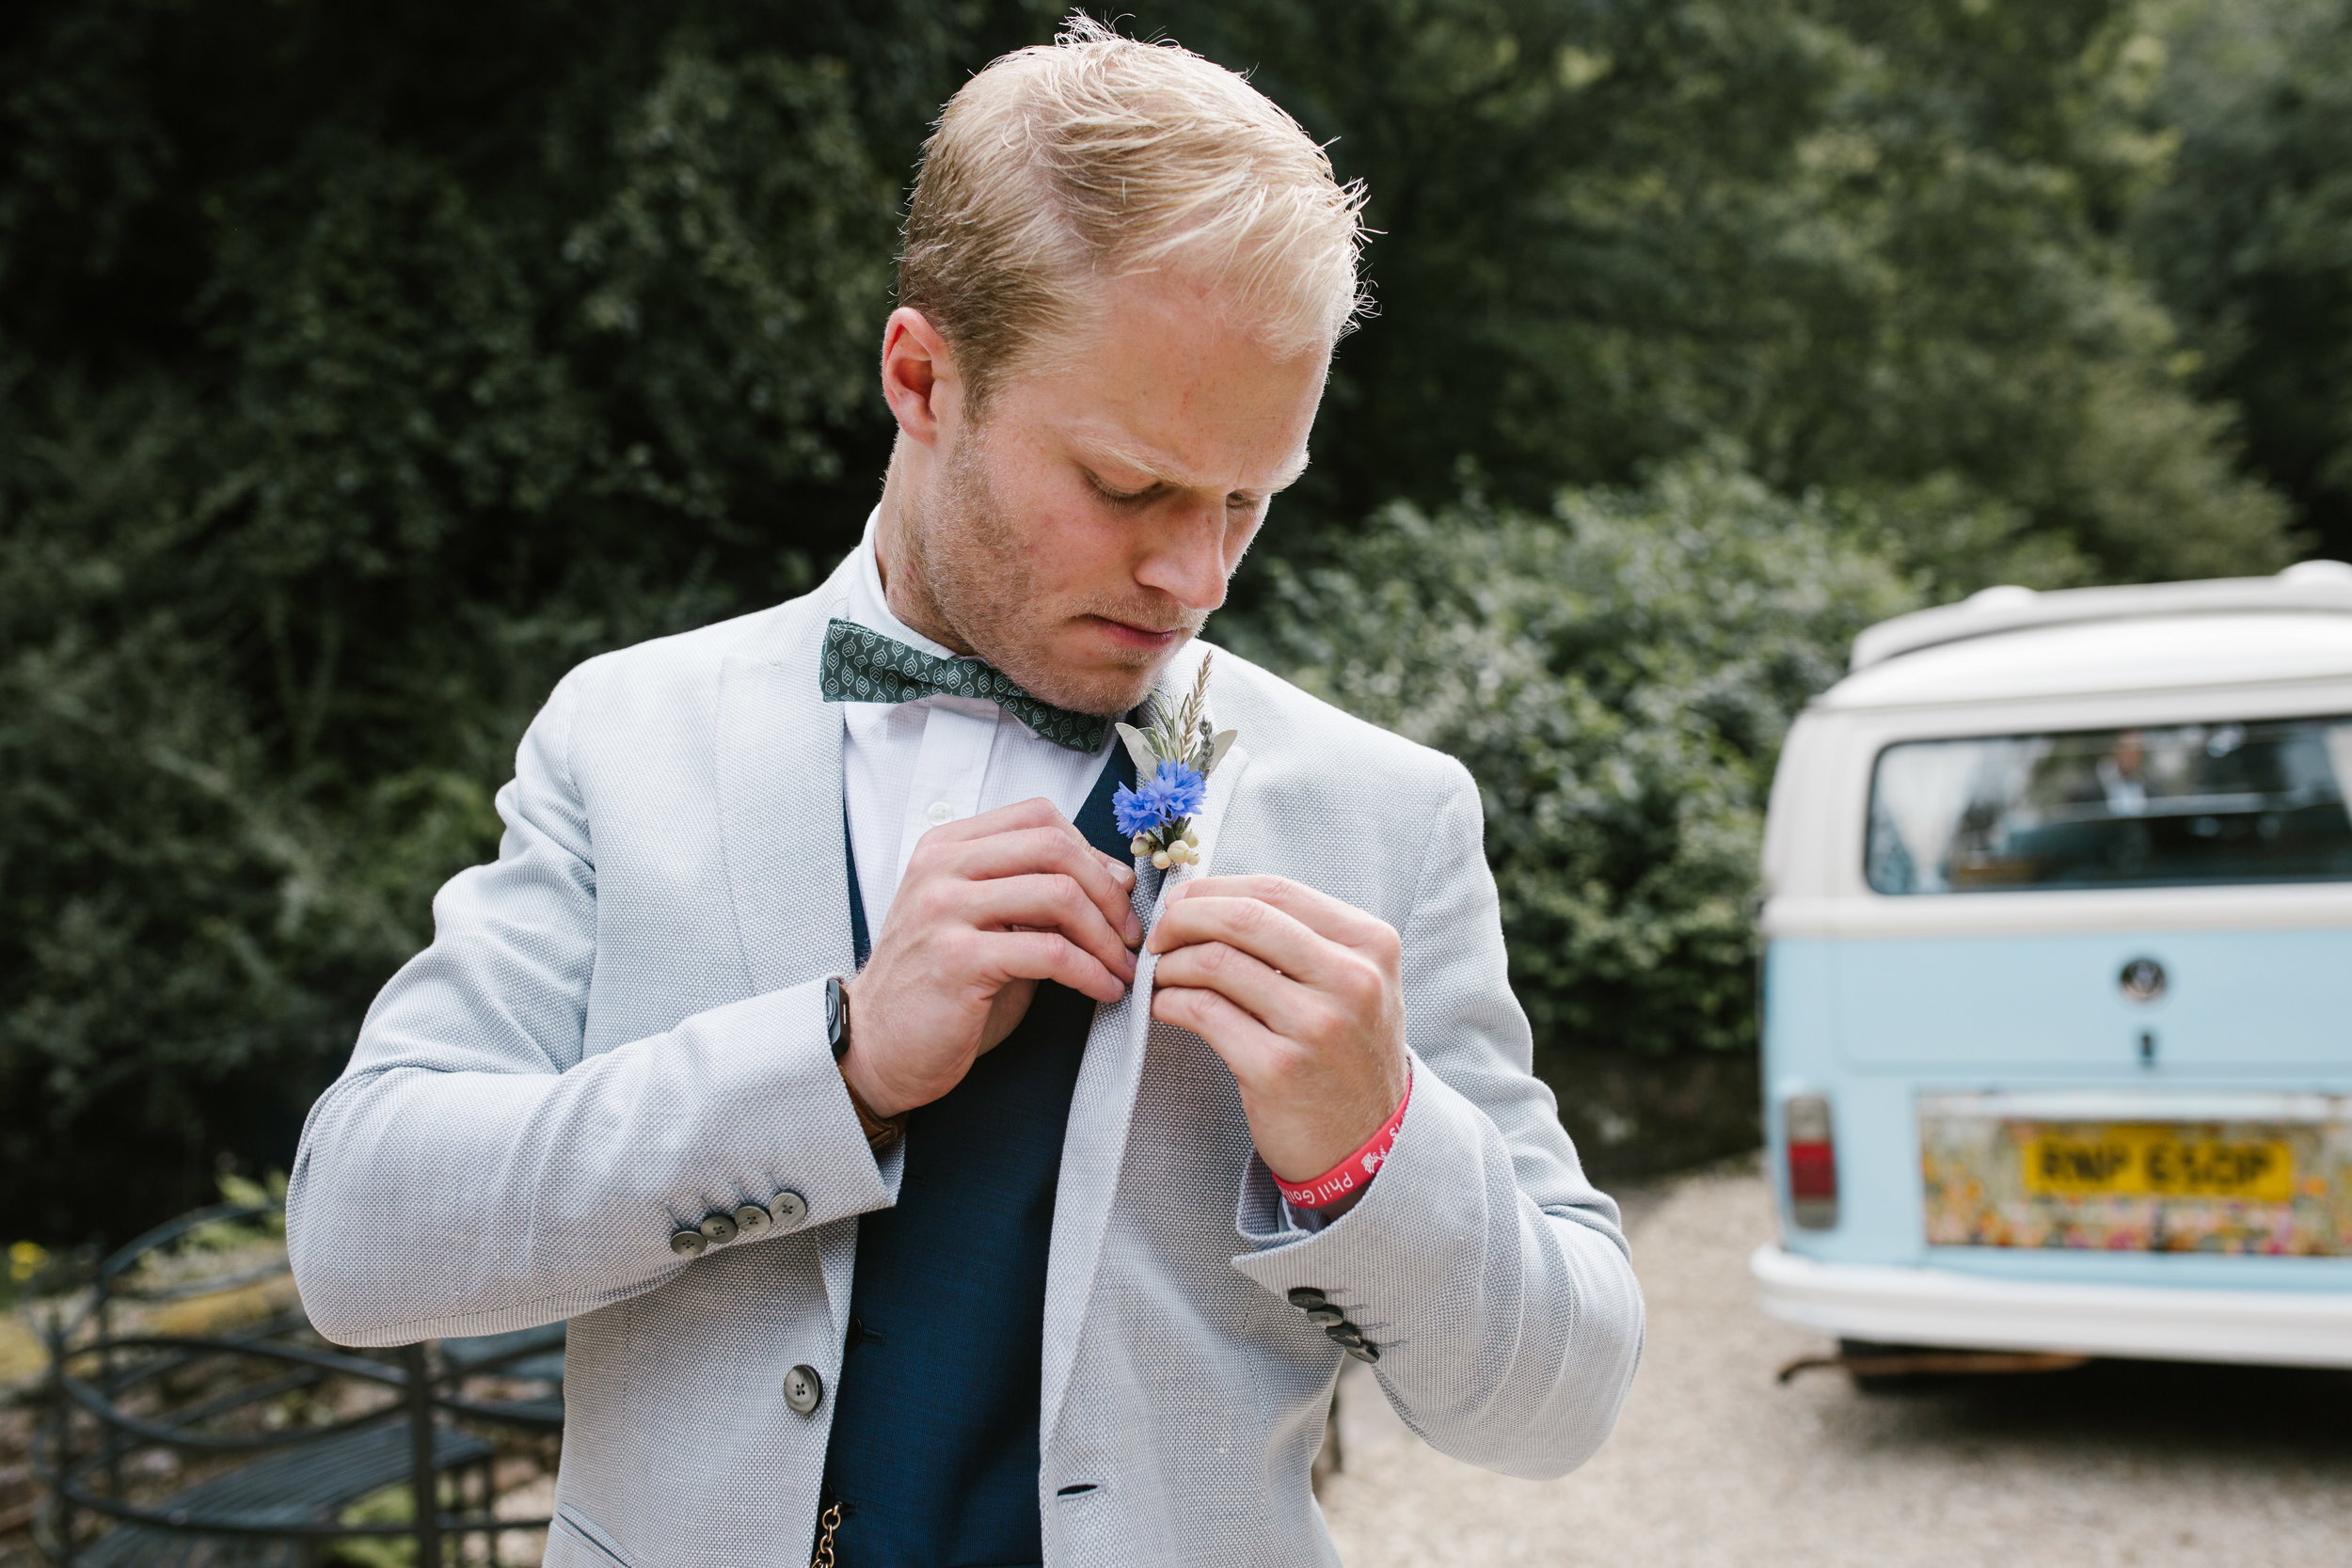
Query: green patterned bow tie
{"x": 860, "y": 665}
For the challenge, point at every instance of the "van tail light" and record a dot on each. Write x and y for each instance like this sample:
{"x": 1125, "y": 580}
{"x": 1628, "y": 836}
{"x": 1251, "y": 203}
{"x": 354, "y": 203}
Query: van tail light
{"x": 1812, "y": 1161}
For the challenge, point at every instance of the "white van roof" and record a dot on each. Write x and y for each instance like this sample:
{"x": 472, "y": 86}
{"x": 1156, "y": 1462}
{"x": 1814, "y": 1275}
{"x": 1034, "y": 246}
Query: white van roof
{"x": 2325, "y": 586}
{"x": 2012, "y": 642}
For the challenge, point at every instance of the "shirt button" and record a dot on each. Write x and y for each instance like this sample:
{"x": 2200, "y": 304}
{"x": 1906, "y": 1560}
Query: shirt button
{"x": 939, "y": 813}
{"x": 804, "y": 1389}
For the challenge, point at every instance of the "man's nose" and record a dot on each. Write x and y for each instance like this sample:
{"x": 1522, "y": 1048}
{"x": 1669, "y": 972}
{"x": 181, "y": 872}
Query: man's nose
{"x": 1186, "y": 558}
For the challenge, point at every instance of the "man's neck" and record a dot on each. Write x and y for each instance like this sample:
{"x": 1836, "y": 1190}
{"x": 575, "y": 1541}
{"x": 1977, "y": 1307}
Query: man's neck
{"x": 903, "y": 589}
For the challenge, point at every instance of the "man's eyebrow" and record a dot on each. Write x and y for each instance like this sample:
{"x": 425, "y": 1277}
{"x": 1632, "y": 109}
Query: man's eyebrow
{"x": 1288, "y": 474}
{"x": 1159, "y": 470}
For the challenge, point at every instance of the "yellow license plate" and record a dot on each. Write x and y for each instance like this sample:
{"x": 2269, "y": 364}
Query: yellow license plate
{"x": 2156, "y": 1161}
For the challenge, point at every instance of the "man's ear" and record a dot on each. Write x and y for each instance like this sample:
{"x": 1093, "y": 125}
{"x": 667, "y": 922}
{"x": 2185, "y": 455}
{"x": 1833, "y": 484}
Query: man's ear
{"x": 919, "y": 378}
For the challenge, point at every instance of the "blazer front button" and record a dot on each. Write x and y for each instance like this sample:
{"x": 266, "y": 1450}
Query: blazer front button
{"x": 718, "y": 1229}
{"x": 787, "y": 1209}
{"x": 688, "y": 1243}
{"x": 804, "y": 1389}
{"x": 750, "y": 1220}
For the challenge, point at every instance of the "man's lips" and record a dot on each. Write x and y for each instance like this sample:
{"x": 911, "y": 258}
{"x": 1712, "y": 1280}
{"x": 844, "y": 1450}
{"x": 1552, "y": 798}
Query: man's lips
{"x": 1144, "y": 639}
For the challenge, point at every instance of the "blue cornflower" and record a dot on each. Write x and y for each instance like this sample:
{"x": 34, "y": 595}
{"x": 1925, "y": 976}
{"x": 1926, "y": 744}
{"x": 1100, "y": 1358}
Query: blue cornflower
{"x": 1173, "y": 793}
{"x": 1134, "y": 813}
{"x": 1179, "y": 790}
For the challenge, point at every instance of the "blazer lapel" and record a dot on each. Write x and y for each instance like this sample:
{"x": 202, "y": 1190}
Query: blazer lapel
{"x": 778, "y": 768}
{"x": 779, "y": 784}
{"x": 1103, "y": 1102}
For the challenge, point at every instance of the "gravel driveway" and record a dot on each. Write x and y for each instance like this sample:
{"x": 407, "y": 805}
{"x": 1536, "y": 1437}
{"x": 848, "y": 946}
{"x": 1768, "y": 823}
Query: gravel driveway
{"x": 1714, "y": 1463}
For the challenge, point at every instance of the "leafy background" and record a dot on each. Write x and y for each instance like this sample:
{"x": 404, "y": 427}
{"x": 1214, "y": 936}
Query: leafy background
{"x": 362, "y": 368}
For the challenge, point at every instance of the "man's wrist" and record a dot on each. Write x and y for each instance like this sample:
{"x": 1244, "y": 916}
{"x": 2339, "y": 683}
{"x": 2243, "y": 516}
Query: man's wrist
{"x": 1336, "y": 1189}
{"x": 881, "y": 1129}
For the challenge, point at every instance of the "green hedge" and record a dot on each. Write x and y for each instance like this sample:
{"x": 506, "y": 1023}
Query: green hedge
{"x": 1617, "y": 674}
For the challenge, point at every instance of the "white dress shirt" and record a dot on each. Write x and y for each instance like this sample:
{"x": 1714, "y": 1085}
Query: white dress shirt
{"x": 907, "y": 767}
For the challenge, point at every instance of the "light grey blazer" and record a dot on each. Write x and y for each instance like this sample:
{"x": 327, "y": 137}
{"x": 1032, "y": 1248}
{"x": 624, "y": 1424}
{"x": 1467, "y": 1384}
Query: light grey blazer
{"x": 619, "y": 1028}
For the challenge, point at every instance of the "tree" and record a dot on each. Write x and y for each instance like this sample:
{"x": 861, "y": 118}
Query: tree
{"x": 2252, "y": 238}
{"x": 1874, "y": 242}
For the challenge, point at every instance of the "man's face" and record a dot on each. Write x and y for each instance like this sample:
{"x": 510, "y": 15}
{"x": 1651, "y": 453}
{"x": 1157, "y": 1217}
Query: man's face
{"x": 1086, "y": 525}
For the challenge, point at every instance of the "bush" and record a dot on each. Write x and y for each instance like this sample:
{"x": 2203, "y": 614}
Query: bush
{"x": 1618, "y": 676}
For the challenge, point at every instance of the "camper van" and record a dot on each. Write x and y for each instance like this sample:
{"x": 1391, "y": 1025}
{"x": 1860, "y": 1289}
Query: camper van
{"x": 2058, "y": 979}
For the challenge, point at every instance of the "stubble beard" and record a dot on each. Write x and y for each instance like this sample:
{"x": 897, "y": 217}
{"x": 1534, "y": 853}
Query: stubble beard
{"x": 974, "y": 573}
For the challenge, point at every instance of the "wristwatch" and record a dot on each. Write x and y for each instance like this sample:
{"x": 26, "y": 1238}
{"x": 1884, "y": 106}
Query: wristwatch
{"x": 880, "y": 1131}
{"x": 836, "y": 1016}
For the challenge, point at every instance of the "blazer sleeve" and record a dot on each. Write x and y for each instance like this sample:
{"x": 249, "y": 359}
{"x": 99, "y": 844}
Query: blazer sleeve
{"x": 1492, "y": 1278}
{"x": 471, "y": 1172}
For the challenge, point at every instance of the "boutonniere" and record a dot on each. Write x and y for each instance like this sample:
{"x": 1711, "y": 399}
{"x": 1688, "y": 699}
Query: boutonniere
{"x": 1173, "y": 761}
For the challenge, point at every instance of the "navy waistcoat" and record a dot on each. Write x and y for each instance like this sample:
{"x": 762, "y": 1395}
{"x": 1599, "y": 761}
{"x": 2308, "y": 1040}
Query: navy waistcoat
{"x": 933, "y": 1456}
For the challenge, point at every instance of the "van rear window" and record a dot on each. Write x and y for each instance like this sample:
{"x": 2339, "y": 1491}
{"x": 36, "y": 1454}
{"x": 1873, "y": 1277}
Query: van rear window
{"x": 2259, "y": 801}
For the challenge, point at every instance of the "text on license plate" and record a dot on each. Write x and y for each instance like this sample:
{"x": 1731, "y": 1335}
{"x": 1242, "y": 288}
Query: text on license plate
{"x": 2154, "y": 1160}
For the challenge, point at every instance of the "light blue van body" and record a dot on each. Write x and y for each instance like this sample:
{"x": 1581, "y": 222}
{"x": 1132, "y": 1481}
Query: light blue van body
{"x": 1884, "y": 1004}
{"x": 1877, "y": 1022}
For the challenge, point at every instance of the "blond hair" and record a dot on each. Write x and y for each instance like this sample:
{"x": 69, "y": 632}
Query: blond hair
{"x": 1061, "y": 168}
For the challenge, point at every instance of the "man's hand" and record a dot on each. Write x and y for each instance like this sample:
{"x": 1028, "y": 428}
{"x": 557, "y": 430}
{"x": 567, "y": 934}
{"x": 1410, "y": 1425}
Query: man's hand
{"x": 1302, "y": 996}
{"x": 989, "y": 907}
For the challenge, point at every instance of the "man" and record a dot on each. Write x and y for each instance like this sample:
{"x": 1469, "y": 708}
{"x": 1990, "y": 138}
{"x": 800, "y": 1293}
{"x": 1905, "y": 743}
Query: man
{"x": 959, "y": 1133}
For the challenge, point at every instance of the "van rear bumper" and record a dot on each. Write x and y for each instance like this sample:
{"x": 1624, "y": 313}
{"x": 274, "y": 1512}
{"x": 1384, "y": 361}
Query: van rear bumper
{"x": 1944, "y": 1307}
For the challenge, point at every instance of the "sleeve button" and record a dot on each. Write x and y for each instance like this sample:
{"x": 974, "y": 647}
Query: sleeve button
{"x": 1306, "y": 1297}
{"x": 1323, "y": 1317}
{"x": 688, "y": 1243}
{"x": 1363, "y": 1352}
{"x": 718, "y": 1229}
{"x": 750, "y": 1220}
{"x": 788, "y": 1209}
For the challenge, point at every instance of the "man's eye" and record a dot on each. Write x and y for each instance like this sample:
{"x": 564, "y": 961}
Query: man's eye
{"x": 1123, "y": 496}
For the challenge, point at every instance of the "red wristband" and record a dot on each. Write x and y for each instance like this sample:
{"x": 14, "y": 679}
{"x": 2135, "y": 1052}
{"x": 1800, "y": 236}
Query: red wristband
{"x": 1352, "y": 1173}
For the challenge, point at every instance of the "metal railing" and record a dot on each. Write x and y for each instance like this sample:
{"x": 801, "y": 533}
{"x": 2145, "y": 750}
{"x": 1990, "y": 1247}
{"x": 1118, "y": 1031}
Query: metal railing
{"x": 290, "y": 1435}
